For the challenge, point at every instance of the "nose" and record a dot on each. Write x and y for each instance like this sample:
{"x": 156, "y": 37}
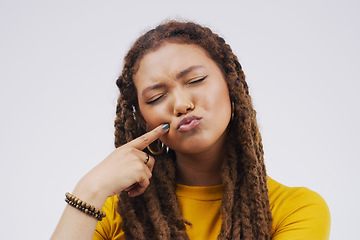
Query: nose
{"x": 182, "y": 105}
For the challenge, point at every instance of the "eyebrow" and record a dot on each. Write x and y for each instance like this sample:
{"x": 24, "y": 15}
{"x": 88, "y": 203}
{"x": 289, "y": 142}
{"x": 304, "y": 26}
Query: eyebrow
{"x": 178, "y": 76}
{"x": 187, "y": 70}
{"x": 153, "y": 87}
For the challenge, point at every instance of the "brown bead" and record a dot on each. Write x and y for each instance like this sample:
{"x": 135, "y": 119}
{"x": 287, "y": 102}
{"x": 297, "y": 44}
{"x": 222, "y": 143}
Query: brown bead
{"x": 84, "y": 206}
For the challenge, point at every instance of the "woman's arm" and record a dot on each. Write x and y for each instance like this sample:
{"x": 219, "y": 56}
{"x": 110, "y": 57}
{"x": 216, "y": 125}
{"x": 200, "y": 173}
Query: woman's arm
{"x": 75, "y": 224}
{"x": 125, "y": 169}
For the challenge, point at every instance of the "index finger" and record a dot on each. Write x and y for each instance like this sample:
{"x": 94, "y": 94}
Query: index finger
{"x": 149, "y": 137}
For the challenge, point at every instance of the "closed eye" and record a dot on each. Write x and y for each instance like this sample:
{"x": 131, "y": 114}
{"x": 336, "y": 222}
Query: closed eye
{"x": 155, "y": 98}
{"x": 197, "y": 80}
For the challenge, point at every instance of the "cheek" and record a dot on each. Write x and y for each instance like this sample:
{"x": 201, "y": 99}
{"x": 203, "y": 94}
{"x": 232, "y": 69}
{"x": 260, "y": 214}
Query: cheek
{"x": 153, "y": 116}
{"x": 219, "y": 100}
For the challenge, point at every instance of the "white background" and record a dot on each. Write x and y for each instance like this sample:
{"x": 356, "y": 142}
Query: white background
{"x": 59, "y": 61}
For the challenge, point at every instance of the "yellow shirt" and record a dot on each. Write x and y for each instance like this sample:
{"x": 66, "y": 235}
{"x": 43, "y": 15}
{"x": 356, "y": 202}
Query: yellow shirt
{"x": 298, "y": 213}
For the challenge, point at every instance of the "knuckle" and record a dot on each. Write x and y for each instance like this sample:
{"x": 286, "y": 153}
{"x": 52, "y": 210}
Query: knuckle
{"x": 146, "y": 182}
{"x": 129, "y": 151}
{"x": 132, "y": 150}
{"x": 139, "y": 167}
{"x": 125, "y": 150}
{"x": 144, "y": 138}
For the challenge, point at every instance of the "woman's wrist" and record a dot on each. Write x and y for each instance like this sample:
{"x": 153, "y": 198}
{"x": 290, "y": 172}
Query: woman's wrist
{"x": 90, "y": 193}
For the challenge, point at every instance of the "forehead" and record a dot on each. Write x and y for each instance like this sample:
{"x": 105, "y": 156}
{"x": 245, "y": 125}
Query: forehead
{"x": 170, "y": 59}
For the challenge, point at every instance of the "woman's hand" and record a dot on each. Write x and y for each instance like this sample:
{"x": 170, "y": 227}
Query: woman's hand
{"x": 127, "y": 168}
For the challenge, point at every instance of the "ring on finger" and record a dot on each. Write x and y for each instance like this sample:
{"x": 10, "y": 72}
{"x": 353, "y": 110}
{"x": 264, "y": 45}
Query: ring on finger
{"x": 147, "y": 158}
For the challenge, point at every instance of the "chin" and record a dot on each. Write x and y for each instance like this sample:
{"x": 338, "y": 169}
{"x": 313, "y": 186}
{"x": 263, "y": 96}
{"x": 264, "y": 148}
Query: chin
{"x": 193, "y": 147}
{"x": 196, "y": 142}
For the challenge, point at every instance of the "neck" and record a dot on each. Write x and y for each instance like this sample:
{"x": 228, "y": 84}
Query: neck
{"x": 201, "y": 169}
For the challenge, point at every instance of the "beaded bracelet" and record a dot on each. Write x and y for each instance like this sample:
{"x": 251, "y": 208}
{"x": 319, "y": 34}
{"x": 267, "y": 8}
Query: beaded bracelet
{"x": 84, "y": 206}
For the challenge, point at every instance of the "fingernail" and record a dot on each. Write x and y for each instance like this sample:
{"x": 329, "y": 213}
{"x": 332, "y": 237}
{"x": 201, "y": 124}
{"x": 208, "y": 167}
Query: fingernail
{"x": 165, "y": 126}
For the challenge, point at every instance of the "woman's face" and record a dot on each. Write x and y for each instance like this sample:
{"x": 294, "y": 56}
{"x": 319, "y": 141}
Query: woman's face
{"x": 180, "y": 84}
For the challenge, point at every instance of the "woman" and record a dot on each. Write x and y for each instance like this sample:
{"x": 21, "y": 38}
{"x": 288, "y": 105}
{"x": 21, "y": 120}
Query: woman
{"x": 181, "y": 84}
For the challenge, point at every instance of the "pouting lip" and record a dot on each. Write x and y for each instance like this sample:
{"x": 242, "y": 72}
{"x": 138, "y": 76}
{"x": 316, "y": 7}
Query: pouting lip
{"x": 187, "y": 119}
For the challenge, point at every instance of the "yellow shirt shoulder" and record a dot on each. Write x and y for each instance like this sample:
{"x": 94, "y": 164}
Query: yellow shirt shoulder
{"x": 298, "y": 213}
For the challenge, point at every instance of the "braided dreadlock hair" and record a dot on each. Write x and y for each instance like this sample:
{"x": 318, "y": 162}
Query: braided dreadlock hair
{"x": 156, "y": 213}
